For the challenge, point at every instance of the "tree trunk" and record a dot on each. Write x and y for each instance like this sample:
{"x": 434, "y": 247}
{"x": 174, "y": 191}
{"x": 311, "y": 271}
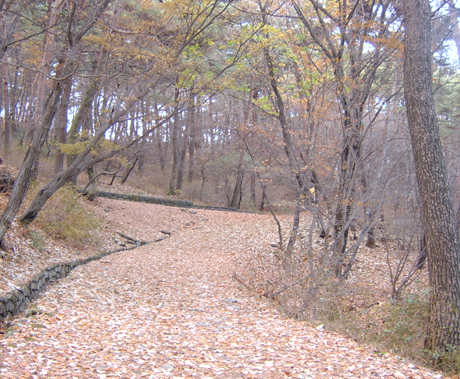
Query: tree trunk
{"x": 159, "y": 141}
{"x": 203, "y": 181}
{"x": 181, "y": 166}
{"x": 211, "y": 126}
{"x": 21, "y": 184}
{"x": 264, "y": 196}
{"x": 161, "y": 153}
{"x": 91, "y": 193}
{"x": 253, "y": 188}
{"x": 290, "y": 153}
{"x": 442, "y": 243}
{"x": 61, "y": 125}
{"x": 141, "y": 165}
{"x": 6, "y": 111}
{"x": 287, "y": 261}
{"x": 44, "y": 70}
{"x": 129, "y": 171}
{"x": 192, "y": 139}
{"x": 174, "y": 147}
{"x": 82, "y": 116}
{"x": 114, "y": 176}
{"x": 185, "y": 143}
{"x": 237, "y": 192}
{"x": 352, "y": 141}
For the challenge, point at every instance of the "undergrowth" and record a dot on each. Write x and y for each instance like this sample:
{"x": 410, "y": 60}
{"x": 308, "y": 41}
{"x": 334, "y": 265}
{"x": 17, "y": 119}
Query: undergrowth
{"x": 390, "y": 326}
{"x": 66, "y": 217}
{"x": 350, "y": 308}
{"x": 396, "y": 326}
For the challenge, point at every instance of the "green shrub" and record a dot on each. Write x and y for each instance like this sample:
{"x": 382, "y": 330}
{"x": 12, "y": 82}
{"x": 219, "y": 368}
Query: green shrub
{"x": 66, "y": 217}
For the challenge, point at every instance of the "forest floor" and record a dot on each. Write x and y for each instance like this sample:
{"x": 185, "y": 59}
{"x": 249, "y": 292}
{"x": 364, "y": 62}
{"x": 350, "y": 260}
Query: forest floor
{"x": 170, "y": 309}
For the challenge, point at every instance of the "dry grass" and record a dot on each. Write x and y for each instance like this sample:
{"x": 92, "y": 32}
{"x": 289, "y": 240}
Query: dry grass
{"x": 67, "y": 217}
{"x": 360, "y": 307}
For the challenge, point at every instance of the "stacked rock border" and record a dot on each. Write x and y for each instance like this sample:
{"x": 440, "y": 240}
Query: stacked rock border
{"x": 17, "y": 300}
{"x": 160, "y": 200}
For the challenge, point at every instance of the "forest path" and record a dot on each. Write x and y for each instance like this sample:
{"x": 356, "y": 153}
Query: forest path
{"x": 171, "y": 310}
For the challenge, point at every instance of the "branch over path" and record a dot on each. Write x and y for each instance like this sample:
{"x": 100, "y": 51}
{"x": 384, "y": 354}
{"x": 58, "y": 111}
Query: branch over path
{"x": 172, "y": 310}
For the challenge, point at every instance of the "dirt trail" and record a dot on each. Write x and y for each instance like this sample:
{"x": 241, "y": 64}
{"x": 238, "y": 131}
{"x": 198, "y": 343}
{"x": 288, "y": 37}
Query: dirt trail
{"x": 171, "y": 310}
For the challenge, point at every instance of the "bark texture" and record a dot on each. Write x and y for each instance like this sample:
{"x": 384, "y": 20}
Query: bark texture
{"x": 441, "y": 233}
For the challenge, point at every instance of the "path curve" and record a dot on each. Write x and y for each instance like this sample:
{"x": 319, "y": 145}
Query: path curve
{"x": 171, "y": 310}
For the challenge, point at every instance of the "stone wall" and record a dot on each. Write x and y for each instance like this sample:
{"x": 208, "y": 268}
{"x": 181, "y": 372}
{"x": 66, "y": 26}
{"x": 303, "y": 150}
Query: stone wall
{"x": 17, "y": 301}
{"x": 161, "y": 201}
{"x": 146, "y": 199}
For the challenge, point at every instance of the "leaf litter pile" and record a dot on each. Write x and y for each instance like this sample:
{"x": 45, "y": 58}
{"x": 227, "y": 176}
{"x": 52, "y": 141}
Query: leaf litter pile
{"x": 171, "y": 309}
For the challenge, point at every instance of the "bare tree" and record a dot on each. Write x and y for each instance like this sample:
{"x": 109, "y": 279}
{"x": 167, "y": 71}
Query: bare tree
{"x": 354, "y": 69}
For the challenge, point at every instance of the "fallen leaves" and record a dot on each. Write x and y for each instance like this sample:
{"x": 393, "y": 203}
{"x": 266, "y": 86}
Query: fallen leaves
{"x": 172, "y": 310}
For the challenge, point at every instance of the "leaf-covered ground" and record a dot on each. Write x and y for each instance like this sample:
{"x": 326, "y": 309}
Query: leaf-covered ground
{"x": 171, "y": 309}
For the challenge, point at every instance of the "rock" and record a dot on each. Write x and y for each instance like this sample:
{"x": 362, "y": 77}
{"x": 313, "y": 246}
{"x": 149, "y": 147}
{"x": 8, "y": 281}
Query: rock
{"x": 37, "y": 326}
{"x": 10, "y": 308}
{"x": 26, "y": 291}
{"x": 9, "y": 333}
{"x": 32, "y": 312}
{"x": 230, "y": 300}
